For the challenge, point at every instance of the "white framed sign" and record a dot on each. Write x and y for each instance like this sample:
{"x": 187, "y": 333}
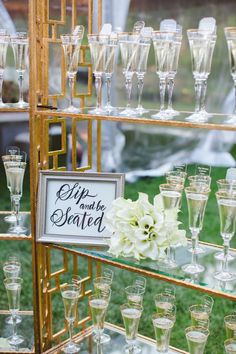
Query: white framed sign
{"x": 71, "y": 206}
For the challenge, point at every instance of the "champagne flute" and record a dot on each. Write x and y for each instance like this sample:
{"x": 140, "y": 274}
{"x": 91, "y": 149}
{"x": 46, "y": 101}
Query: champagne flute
{"x": 163, "y": 324}
{"x": 131, "y": 314}
{"x": 134, "y": 294}
{"x": 4, "y": 42}
{"x": 230, "y": 326}
{"x": 141, "y": 67}
{"x": 164, "y": 51}
{"x": 13, "y": 288}
{"x": 102, "y": 284}
{"x": 230, "y": 35}
{"x": 110, "y": 55}
{"x": 98, "y": 304}
{"x": 202, "y": 44}
{"x": 98, "y": 44}
{"x": 71, "y": 48}
{"x": 15, "y": 172}
{"x": 200, "y": 315}
{"x": 70, "y": 296}
{"x": 129, "y": 44}
{"x": 230, "y": 346}
{"x": 20, "y": 46}
{"x": 196, "y": 338}
{"x": 196, "y": 201}
{"x": 227, "y": 210}
{"x": 173, "y": 71}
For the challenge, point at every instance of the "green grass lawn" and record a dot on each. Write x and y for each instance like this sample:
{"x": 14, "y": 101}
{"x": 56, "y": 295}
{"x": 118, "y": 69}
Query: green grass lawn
{"x": 185, "y": 297}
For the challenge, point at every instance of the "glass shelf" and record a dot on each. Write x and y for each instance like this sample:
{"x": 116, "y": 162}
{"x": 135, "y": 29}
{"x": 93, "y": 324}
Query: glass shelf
{"x": 25, "y": 328}
{"x": 204, "y": 282}
{"x": 4, "y": 226}
{"x": 215, "y": 122}
{"x": 114, "y": 346}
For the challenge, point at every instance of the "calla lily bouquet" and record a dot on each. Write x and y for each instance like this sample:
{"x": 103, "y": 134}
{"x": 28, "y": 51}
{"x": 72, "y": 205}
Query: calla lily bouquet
{"x": 141, "y": 229}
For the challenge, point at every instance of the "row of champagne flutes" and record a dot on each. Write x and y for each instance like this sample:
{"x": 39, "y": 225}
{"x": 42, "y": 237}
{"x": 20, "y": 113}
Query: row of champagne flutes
{"x": 19, "y": 43}
{"x": 14, "y": 164}
{"x": 13, "y": 285}
{"x": 197, "y": 194}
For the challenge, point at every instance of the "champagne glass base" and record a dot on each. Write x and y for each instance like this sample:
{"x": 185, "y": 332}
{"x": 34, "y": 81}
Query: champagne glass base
{"x": 134, "y": 349}
{"x": 97, "y": 111}
{"x": 198, "y": 117}
{"x": 4, "y": 105}
{"x": 18, "y": 230}
{"x": 220, "y": 256}
{"x": 231, "y": 120}
{"x": 168, "y": 264}
{"x": 21, "y": 104}
{"x": 161, "y": 116}
{"x": 9, "y": 320}
{"x": 224, "y": 276}
{"x": 110, "y": 109}
{"x": 171, "y": 112}
{"x": 198, "y": 250}
{"x": 193, "y": 268}
{"x": 72, "y": 109}
{"x": 103, "y": 338}
{"x": 15, "y": 340}
{"x": 71, "y": 347}
{"x": 128, "y": 112}
{"x": 10, "y": 218}
{"x": 140, "y": 110}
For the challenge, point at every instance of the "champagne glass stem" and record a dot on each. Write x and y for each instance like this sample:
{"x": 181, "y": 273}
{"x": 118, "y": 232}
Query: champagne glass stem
{"x": 71, "y": 86}
{"x": 172, "y": 254}
{"x": 108, "y": 84}
{"x": 235, "y": 97}
{"x": 14, "y": 330}
{"x": 128, "y": 86}
{"x": 226, "y": 254}
{"x": 1, "y": 82}
{"x": 70, "y": 327}
{"x": 194, "y": 244}
{"x": 140, "y": 89}
{"x": 98, "y": 86}
{"x": 12, "y": 204}
{"x": 203, "y": 95}
{"x": 17, "y": 209}
{"x": 198, "y": 87}
{"x": 170, "y": 85}
{"x": 20, "y": 79}
{"x": 162, "y": 93}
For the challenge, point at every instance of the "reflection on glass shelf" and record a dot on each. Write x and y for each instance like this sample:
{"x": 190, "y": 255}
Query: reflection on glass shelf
{"x": 116, "y": 344}
{"x": 24, "y": 221}
{"x": 25, "y": 328}
{"x": 183, "y": 256}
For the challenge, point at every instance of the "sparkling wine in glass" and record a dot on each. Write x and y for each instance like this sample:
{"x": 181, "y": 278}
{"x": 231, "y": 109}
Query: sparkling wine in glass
{"x": 135, "y": 294}
{"x": 230, "y": 326}
{"x": 202, "y": 44}
{"x": 200, "y": 315}
{"x": 110, "y": 56}
{"x": 230, "y": 35}
{"x": 102, "y": 285}
{"x": 15, "y": 172}
{"x": 4, "y": 42}
{"x": 141, "y": 66}
{"x": 230, "y": 346}
{"x": 129, "y": 44}
{"x": 163, "y": 324}
{"x": 164, "y": 51}
{"x": 20, "y": 47}
{"x": 71, "y": 48}
{"x": 196, "y": 201}
{"x": 98, "y": 304}
{"x": 13, "y": 289}
{"x": 98, "y": 44}
{"x": 164, "y": 302}
{"x": 70, "y": 296}
{"x": 131, "y": 314}
{"x": 197, "y": 339}
{"x": 227, "y": 210}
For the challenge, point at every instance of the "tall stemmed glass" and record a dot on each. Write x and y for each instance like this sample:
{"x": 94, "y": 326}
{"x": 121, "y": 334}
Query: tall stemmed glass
{"x": 141, "y": 68}
{"x": 4, "y": 41}
{"x": 129, "y": 44}
{"x": 97, "y": 45}
{"x": 70, "y": 296}
{"x": 20, "y": 46}
{"x": 196, "y": 201}
{"x": 196, "y": 338}
{"x": 230, "y": 35}
{"x": 71, "y": 48}
{"x": 15, "y": 172}
{"x": 13, "y": 288}
{"x": 12, "y": 155}
{"x": 202, "y": 44}
{"x": 110, "y": 55}
{"x": 227, "y": 210}
{"x": 173, "y": 71}
{"x": 164, "y": 50}
{"x": 131, "y": 314}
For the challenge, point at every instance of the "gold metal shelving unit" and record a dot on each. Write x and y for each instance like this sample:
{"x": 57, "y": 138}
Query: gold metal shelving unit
{"x": 44, "y": 33}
